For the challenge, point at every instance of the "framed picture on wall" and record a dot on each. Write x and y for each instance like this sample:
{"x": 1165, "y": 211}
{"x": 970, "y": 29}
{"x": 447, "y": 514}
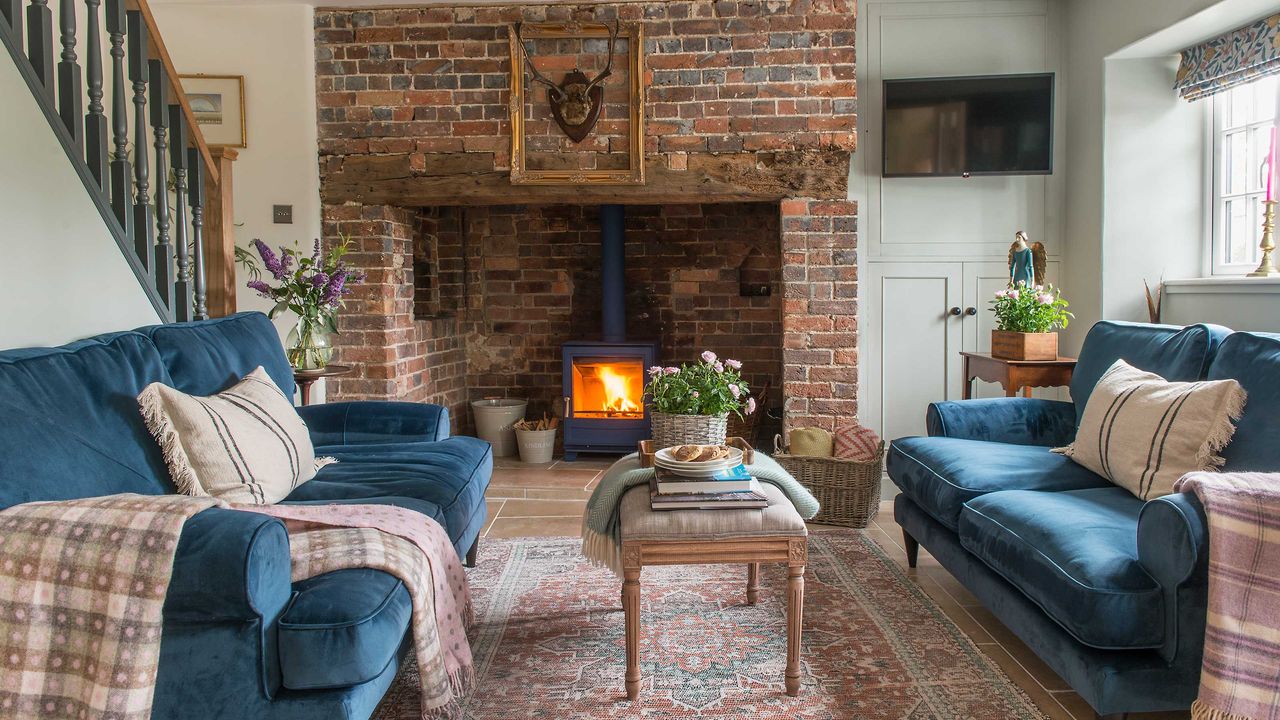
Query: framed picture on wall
{"x": 217, "y": 101}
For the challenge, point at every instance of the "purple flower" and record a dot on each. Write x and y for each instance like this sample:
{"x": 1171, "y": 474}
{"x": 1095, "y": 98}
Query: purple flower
{"x": 708, "y": 356}
{"x": 333, "y": 292}
{"x": 260, "y": 287}
{"x": 671, "y": 370}
{"x": 751, "y": 405}
{"x": 719, "y": 367}
{"x": 319, "y": 280}
{"x": 733, "y": 364}
{"x": 737, "y": 391}
{"x": 655, "y": 370}
{"x": 270, "y": 260}
{"x": 286, "y": 263}
{"x": 315, "y": 254}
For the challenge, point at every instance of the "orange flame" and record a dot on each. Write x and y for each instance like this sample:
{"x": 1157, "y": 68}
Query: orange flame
{"x": 616, "y": 392}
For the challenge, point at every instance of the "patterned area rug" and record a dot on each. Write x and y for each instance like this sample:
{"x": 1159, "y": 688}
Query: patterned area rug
{"x": 549, "y": 643}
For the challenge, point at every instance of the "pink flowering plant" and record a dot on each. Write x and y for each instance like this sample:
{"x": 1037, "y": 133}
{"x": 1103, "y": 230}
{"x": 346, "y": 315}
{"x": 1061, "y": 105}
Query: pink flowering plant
{"x": 1030, "y": 309}
{"x": 713, "y": 386}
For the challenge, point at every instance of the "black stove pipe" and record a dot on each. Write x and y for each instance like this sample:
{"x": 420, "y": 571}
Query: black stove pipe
{"x": 613, "y": 280}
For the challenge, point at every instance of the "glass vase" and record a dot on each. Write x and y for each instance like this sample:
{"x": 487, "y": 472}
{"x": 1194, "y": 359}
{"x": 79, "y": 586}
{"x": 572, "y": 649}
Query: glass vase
{"x": 309, "y": 346}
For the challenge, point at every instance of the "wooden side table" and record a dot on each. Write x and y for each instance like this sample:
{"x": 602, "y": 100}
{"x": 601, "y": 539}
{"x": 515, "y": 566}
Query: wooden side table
{"x": 1015, "y": 375}
{"x": 307, "y": 378}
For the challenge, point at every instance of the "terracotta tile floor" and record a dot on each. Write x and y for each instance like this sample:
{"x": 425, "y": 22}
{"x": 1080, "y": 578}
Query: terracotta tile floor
{"x": 548, "y": 500}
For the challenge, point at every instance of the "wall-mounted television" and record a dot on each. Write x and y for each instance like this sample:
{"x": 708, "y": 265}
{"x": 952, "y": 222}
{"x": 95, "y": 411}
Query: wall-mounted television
{"x": 968, "y": 126}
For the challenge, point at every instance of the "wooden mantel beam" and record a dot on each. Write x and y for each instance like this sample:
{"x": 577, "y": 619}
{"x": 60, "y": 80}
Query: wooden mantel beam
{"x": 458, "y": 179}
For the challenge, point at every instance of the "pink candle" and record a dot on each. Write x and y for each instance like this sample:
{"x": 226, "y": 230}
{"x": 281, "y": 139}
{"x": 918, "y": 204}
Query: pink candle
{"x": 1271, "y": 167}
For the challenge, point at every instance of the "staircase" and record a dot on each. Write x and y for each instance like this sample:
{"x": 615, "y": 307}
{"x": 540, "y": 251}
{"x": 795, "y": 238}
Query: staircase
{"x": 164, "y": 195}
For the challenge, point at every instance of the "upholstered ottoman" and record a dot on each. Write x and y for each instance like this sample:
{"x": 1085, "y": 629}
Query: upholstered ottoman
{"x": 775, "y": 534}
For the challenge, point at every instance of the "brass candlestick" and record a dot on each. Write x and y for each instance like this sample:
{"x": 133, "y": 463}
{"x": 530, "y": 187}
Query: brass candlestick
{"x": 1267, "y": 268}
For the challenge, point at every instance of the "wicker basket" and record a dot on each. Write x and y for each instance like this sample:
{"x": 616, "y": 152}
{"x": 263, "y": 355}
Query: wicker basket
{"x": 848, "y": 490}
{"x": 670, "y": 430}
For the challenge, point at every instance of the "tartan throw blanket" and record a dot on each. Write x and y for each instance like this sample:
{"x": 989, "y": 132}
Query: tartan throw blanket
{"x": 1240, "y": 678}
{"x": 415, "y": 549}
{"x": 82, "y": 589}
{"x": 602, "y": 530}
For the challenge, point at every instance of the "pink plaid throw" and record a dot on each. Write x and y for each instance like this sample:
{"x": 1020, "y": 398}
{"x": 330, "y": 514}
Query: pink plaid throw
{"x": 82, "y": 587}
{"x": 414, "y": 548}
{"x": 1240, "y": 679}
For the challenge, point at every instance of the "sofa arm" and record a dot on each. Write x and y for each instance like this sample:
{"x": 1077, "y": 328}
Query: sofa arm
{"x": 229, "y": 565}
{"x": 1173, "y": 547}
{"x": 1017, "y": 421}
{"x": 363, "y": 422}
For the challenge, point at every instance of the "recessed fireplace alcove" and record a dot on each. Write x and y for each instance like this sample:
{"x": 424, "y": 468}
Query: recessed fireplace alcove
{"x": 513, "y": 284}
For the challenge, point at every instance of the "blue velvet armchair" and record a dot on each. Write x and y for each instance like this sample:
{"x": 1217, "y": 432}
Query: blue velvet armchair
{"x": 240, "y": 639}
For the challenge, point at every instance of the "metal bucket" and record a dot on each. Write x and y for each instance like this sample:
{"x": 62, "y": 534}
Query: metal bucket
{"x": 494, "y": 419}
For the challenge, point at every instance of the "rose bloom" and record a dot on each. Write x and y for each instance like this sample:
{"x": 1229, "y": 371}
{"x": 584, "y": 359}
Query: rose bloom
{"x": 751, "y": 405}
{"x": 1002, "y": 293}
{"x": 733, "y": 388}
{"x": 1013, "y": 294}
{"x": 719, "y": 367}
{"x": 671, "y": 370}
{"x": 708, "y": 356}
{"x": 1045, "y": 299}
{"x": 733, "y": 364}
{"x": 655, "y": 370}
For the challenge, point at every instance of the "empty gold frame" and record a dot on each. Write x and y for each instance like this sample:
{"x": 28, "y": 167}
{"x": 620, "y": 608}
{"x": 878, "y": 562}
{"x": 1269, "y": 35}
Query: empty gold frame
{"x": 633, "y": 173}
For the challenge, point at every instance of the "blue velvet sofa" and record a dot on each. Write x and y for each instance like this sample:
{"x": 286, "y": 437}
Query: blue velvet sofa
{"x": 1109, "y": 590}
{"x": 240, "y": 640}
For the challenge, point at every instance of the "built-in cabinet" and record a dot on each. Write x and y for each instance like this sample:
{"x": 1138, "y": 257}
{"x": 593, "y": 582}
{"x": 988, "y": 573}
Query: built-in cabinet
{"x": 937, "y": 246}
{"x": 919, "y": 317}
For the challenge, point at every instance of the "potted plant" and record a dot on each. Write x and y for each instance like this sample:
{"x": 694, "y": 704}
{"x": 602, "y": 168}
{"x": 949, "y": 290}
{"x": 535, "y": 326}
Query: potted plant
{"x": 1026, "y": 318}
{"x": 310, "y": 286}
{"x": 691, "y": 403}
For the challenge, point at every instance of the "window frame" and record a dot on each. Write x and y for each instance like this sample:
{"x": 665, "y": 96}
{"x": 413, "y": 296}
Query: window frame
{"x": 1217, "y": 157}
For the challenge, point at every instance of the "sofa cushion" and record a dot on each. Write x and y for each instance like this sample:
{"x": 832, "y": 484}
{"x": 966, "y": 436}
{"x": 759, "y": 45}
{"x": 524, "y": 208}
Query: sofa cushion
{"x": 70, "y": 424}
{"x": 245, "y": 444}
{"x": 342, "y": 628}
{"x": 1075, "y": 554}
{"x": 1177, "y": 354}
{"x": 209, "y": 356}
{"x": 1253, "y": 360}
{"x": 450, "y": 475}
{"x": 941, "y": 474}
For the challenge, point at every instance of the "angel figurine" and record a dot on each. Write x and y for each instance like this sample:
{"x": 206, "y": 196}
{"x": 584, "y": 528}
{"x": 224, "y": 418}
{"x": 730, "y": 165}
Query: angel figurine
{"x": 1027, "y": 261}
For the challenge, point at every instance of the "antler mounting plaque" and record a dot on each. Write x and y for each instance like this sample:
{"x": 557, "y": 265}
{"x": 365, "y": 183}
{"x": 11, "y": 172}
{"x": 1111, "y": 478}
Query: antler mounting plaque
{"x": 588, "y": 128}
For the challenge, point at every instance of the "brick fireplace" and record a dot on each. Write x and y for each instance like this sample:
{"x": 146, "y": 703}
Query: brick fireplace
{"x": 741, "y": 241}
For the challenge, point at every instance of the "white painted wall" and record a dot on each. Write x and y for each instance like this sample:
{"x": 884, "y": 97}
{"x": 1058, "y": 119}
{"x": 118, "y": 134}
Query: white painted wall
{"x": 273, "y": 47}
{"x": 1102, "y": 37}
{"x": 62, "y": 276}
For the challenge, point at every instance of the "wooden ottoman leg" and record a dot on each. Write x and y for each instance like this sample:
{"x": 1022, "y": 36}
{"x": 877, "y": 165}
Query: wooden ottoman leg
{"x": 795, "y": 622}
{"x": 631, "y": 611}
{"x": 753, "y": 583}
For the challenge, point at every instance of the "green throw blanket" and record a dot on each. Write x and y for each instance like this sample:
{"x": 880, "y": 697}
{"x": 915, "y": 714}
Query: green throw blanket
{"x": 602, "y": 531}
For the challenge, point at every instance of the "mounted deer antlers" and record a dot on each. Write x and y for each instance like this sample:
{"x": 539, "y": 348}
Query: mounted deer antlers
{"x": 576, "y": 101}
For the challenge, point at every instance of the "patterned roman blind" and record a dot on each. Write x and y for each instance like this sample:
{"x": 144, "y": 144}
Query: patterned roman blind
{"x": 1240, "y": 56}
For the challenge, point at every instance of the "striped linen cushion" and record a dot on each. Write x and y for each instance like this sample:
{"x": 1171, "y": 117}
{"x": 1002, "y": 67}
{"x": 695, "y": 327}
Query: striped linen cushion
{"x": 1143, "y": 433}
{"x": 246, "y": 444}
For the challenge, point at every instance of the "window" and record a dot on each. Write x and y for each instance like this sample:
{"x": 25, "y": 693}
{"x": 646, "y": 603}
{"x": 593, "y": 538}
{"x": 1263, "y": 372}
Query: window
{"x": 1242, "y": 122}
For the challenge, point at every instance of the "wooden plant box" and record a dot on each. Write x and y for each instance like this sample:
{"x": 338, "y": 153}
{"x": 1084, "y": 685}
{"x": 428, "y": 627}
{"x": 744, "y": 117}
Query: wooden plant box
{"x": 1009, "y": 345}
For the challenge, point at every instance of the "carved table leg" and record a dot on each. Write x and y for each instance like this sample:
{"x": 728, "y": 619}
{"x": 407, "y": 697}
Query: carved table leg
{"x": 753, "y": 583}
{"x": 631, "y": 610}
{"x": 795, "y": 622}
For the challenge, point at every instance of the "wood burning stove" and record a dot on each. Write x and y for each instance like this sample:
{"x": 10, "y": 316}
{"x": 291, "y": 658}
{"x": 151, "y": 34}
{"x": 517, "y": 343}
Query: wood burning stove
{"x": 604, "y": 380}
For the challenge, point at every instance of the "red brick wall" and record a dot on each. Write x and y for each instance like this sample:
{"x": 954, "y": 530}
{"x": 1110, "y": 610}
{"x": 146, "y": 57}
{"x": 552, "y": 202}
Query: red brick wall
{"x": 725, "y": 76}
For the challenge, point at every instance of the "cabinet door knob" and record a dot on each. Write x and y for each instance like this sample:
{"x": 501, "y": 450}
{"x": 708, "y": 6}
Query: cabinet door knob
{"x": 971, "y": 311}
{"x": 955, "y": 311}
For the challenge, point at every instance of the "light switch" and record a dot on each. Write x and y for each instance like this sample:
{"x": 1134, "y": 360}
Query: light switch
{"x": 282, "y": 214}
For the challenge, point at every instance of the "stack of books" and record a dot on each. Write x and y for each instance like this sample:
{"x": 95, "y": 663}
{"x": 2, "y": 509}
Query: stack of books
{"x": 721, "y": 484}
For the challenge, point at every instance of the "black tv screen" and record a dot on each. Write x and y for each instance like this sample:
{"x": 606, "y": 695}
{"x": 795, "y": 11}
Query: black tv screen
{"x": 962, "y": 126}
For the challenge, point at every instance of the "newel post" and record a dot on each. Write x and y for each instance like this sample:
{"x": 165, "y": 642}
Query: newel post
{"x": 219, "y": 234}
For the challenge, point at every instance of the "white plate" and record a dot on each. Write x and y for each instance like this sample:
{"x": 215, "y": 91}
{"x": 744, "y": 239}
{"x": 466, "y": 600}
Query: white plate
{"x": 664, "y": 458}
{"x": 700, "y": 474}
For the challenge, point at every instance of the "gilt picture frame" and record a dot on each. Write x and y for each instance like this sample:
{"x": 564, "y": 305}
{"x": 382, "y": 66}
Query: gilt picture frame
{"x": 217, "y": 102}
{"x": 523, "y": 93}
